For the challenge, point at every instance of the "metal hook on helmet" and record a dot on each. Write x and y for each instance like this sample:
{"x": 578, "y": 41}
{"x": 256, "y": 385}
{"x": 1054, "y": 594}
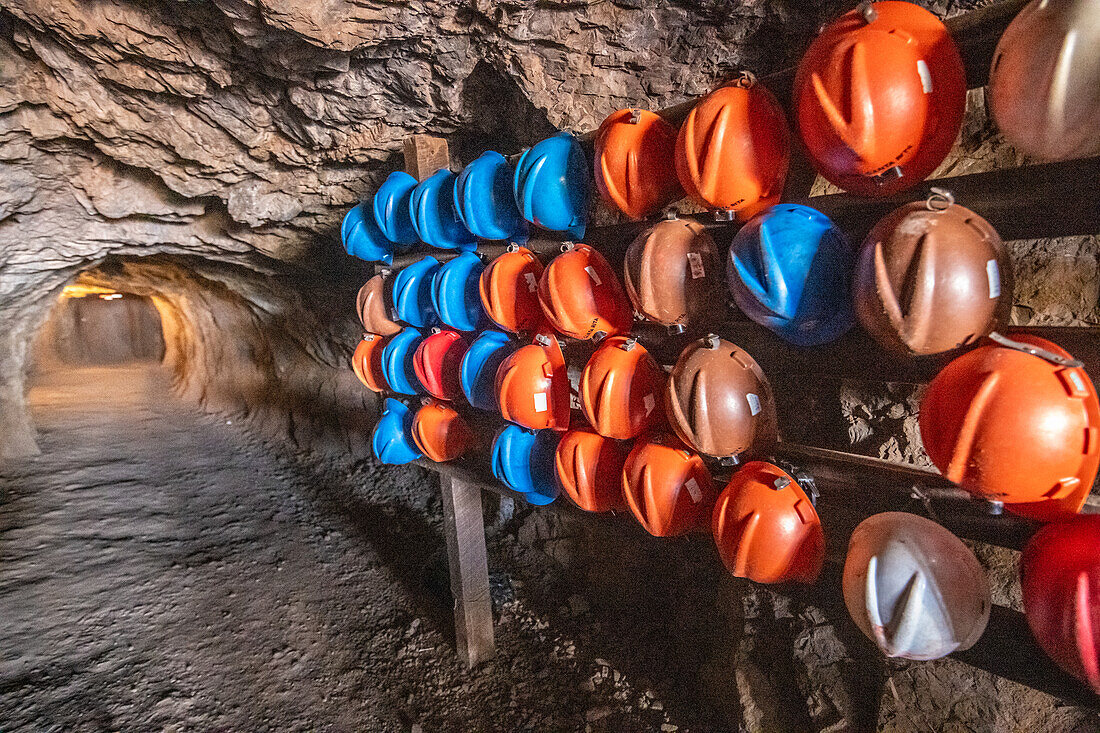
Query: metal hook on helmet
{"x": 940, "y": 199}
{"x": 635, "y": 115}
{"x": 512, "y": 247}
{"x": 867, "y": 10}
{"x": 566, "y": 246}
{"x": 711, "y": 340}
{"x": 1034, "y": 350}
{"x": 745, "y": 79}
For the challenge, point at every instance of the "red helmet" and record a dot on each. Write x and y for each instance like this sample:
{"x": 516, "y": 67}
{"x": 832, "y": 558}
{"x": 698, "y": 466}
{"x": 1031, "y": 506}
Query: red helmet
{"x": 634, "y": 162}
{"x": 440, "y": 432}
{"x": 509, "y": 288}
{"x": 373, "y": 306}
{"x": 733, "y": 149}
{"x": 1060, "y": 579}
{"x": 667, "y": 487}
{"x": 533, "y": 386}
{"x": 1014, "y": 421}
{"x": 590, "y": 470}
{"x": 880, "y": 96}
{"x": 581, "y": 296}
{"x": 620, "y": 388}
{"x": 437, "y": 361}
{"x": 766, "y": 527}
{"x": 366, "y": 362}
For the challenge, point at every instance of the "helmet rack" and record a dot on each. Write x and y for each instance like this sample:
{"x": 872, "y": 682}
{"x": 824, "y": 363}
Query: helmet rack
{"x": 1026, "y": 202}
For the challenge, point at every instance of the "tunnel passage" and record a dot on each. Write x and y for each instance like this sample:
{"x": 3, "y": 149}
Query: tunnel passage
{"x": 98, "y": 327}
{"x": 257, "y": 341}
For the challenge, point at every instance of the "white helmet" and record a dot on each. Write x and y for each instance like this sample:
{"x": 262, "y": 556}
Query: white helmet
{"x": 913, "y": 587}
{"x": 1044, "y": 85}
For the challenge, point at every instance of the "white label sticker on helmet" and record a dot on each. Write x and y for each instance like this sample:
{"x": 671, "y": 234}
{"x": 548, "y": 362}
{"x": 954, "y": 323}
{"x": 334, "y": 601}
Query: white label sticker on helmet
{"x": 532, "y": 283}
{"x": 648, "y": 402}
{"x": 994, "y": 274}
{"x": 925, "y": 76}
{"x": 693, "y": 490}
{"x": 592, "y": 274}
{"x": 1078, "y": 383}
{"x": 696, "y": 264}
{"x": 754, "y": 403}
{"x": 540, "y": 401}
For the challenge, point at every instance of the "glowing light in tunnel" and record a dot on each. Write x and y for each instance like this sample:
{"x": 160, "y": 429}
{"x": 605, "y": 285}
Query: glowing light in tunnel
{"x": 82, "y": 291}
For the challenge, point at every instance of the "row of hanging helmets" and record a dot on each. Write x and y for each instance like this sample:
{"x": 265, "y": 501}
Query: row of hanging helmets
{"x": 879, "y": 99}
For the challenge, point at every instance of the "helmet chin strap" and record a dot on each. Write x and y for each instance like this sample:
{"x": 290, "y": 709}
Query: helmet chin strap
{"x": 1034, "y": 351}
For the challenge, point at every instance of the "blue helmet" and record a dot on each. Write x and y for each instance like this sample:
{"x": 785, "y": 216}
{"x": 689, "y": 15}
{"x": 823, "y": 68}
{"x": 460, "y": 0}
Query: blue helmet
{"x": 392, "y": 440}
{"x": 397, "y": 361}
{"x": 391, "y": 209}
{"x": 434, "y": 216}
{"x": 455, "y": 294}
{"x": 551, "y": 185}
{"x": 412, "y": 293}
{"x": 478, "y": 372}
{"x": 362, "y": 237}
{"x": 523, "y": 460}
{"x": 790, "y": 271}
{"x": 484, "y": 200}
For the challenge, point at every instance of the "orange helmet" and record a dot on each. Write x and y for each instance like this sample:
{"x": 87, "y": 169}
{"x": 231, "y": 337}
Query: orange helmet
{"x": 533, "y": 386}
{"x": 581, "y": 296}
{"x": 719, "y": 401}
{"x": 437, "y": 360}
{"x": 667, "y": 487}
{"x": 880, "y": 96}
{"x": 1015, "y": 421}
{"x": 440, "y": 432}
{"x": 366, "y": 362}
{"x": 733, "y": 149}
{"x": 509, "y": 288}
{"x": 671, "y": 272}
{"x": 373, "y": 306}
{"x": 766, "y": 527}
{"x": 906, "y": 262}
{"x": 634, "y": 163}
{"x": 590, "y": 470}
{"x": 620, "y": 387}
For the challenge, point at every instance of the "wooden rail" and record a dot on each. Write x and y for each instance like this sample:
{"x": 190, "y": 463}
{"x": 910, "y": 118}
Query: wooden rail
{"x": 1034, "y": 201}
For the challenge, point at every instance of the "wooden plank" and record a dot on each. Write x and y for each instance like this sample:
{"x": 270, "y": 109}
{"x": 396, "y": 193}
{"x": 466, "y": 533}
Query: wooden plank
{"x": 464, "y": 528}
{"x": 424, "y": 155}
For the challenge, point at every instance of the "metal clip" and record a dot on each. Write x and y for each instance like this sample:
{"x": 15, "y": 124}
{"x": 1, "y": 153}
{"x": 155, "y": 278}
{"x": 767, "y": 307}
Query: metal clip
{"x": 725, "y": 215}
{"x": 745, "y": 79}
{"x": 629, "y": 344}
{"x": 635, "y": 115}
{"x": 1034, "y": 351}
{"x": 512, "y": 247}
{"x": 567, "y": 246}
{"x": 995, "y": 507}
{"x": 676, "y": 329}
{"x": 729, "y": 461}
{"x": 599, "y": 336}
{"x": 867, "y": 10}
{"x": 711, "y": 340}
{"x": 542, "y": 339}
{"x": 670, "y": 214}
{"x": 940, "y": 199}
{"x": 781, "y": 482}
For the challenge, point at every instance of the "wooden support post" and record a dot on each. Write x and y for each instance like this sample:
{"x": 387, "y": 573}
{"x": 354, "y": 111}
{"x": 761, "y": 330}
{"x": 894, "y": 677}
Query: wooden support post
{"x": 463, "y": 523}
{"x": 469, "y": 565}
{"x": 424, "y": 155}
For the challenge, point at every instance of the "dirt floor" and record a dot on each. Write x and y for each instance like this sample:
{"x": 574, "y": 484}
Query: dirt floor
{"x": 160, "y": 569}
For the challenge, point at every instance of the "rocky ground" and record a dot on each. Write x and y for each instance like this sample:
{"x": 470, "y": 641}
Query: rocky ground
{"x": 163, "y": 569}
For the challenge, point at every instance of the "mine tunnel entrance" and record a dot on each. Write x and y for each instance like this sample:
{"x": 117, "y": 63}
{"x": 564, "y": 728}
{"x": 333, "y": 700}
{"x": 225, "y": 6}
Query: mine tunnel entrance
{"x": 97, "y": 326}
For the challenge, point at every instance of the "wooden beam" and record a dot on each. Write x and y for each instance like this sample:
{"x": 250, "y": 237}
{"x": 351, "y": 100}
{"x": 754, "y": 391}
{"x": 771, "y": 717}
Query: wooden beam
{"x": 464, "y": 528}
{"x": 424, "y": 155}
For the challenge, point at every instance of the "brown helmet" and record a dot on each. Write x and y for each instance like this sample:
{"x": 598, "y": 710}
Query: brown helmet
{"x": 719, "y": 401}
{"x": 671, "y": 272}
{"x": 931, "y": 277}
{"x": 620, "y": 388}
{"x": 373, "y": 307}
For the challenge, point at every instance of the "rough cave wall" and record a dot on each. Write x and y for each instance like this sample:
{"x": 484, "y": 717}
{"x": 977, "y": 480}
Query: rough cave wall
{"x": 203, "y": 154}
